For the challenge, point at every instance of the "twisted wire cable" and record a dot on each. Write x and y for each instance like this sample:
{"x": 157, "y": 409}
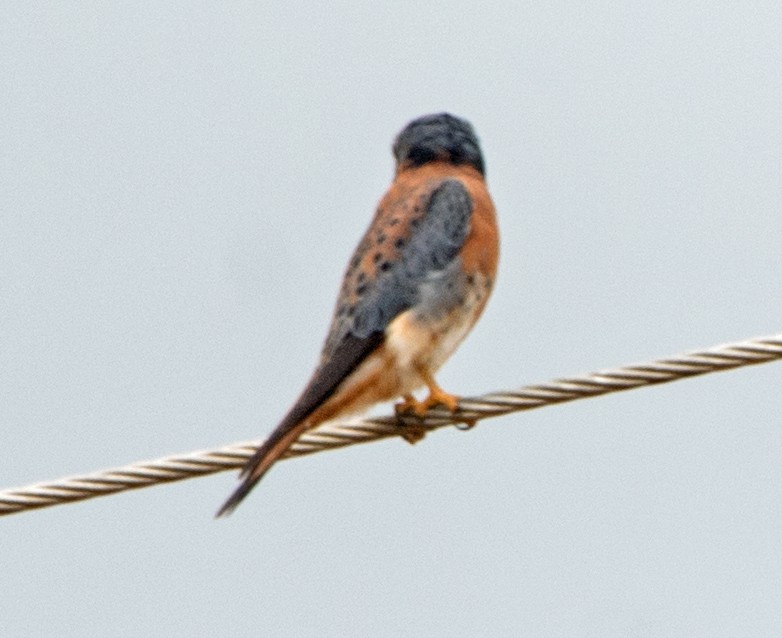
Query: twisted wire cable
{"x": 329, "y": 436}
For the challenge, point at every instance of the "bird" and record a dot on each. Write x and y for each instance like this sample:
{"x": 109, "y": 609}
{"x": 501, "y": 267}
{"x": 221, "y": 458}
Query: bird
{"x": 416, "y": 284}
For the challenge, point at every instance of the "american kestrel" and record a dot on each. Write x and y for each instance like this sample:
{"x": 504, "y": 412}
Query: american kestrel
{"x": 416, "y": 284}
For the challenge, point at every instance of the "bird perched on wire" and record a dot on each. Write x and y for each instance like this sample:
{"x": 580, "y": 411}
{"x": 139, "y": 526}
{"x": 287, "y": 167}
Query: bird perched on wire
{"x": 416, "y": 284}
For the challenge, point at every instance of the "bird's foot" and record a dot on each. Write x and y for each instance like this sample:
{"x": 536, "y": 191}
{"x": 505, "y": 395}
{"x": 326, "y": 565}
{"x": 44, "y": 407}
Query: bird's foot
{"x": 410, "y": 432}
{"x": 408, "y": 404}
{"x": 414, "y": 432}
{"x": 437, "y": 396}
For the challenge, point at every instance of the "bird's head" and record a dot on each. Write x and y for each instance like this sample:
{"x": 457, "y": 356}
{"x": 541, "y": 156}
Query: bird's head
{"x": 438, "y": 137}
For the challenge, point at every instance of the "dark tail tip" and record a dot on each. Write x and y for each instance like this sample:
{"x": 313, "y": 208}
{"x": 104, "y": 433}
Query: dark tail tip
{"x": 260, "y": 462}
{"x": 237, "y": 497}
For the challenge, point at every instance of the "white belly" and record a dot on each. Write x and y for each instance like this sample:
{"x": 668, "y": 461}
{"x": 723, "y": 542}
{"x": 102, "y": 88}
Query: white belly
{"x": 423, "y": 344}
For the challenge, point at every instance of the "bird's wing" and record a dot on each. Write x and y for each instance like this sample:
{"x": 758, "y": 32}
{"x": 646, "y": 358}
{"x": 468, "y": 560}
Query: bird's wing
{"x": 430, "y": 242}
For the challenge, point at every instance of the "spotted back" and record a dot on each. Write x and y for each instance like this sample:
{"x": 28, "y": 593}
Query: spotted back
{"x": 415, "y": 234}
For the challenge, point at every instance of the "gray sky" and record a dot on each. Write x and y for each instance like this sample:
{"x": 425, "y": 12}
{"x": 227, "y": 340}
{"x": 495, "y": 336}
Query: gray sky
{"x": 156, "y": 164}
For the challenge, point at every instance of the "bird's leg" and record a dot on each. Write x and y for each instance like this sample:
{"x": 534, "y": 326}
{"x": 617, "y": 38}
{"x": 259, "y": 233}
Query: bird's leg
{"x": 413, "y": 433}
{"x": 437, "y": 396}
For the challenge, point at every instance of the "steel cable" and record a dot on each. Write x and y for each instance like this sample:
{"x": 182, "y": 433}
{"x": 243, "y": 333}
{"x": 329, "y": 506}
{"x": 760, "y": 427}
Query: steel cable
{"x": 329, "y": 436}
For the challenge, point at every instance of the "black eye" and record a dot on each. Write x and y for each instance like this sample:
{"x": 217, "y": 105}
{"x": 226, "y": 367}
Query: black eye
{"x": 420, "y": 155}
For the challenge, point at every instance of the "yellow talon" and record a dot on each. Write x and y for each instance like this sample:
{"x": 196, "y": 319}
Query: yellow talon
{"x": 411, "y": 432}
{"x": 437, "y": 396}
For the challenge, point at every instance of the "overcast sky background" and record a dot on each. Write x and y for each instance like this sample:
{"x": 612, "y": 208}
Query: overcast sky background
{"x": 180, "y": 189}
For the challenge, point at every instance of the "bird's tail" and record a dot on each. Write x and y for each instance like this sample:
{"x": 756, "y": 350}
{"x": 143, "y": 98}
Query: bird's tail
{"x": 265, "y": 456}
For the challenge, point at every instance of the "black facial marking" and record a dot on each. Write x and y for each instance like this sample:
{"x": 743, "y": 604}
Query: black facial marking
{"x": 440, "y": 137}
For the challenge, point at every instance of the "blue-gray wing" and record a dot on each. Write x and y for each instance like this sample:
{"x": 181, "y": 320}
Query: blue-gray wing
{"x": 431, "y": 244}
